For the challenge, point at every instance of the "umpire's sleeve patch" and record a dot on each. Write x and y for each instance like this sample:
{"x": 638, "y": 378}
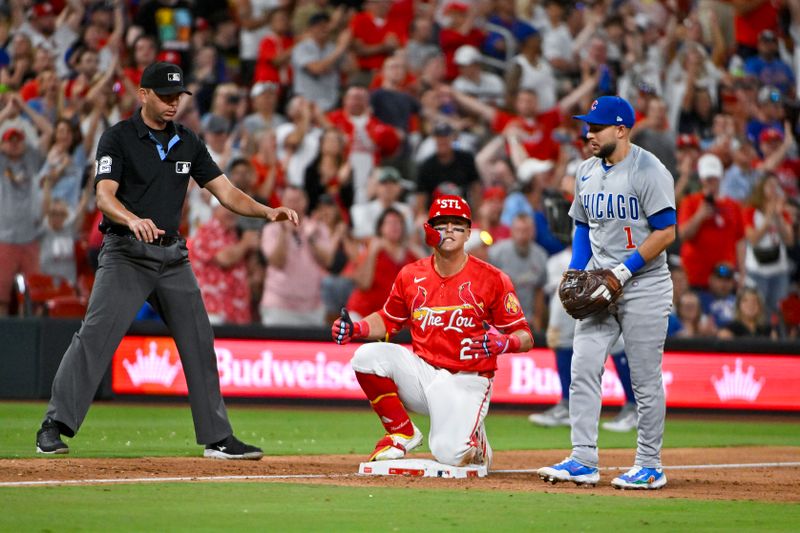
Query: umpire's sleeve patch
{"x": 103, "y": 165}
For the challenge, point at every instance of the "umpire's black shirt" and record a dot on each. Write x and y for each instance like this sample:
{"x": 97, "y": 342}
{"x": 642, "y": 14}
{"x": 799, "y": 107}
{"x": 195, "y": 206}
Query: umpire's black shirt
{"x": 152, "y": 169}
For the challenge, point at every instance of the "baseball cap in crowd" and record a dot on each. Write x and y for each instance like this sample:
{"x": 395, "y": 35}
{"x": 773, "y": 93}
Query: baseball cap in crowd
{"x": 13, "y": 133}
{"x": 770, "y": 134}
{"x": 722, "y": 270}
{"x": 768, "y": 93}
{"x": 449, "y": 205}
{"x": 42, "y": 9}
{"x": 217, "y": 124}
{"x": 709, "y": 166}
{"x": 611, "y": 111}
{"x": 164, "y": 78}
{"x": 458, "y": 7}
{"x": 442, "y": 129}
{"x": 767, "y": 35}
{"x": 387, "y": 174}
{"x": 262, "y": 87}
{"x": 466, "y": 55}
{"x": 318, "y": 18}
{"x": 494, "y": 193}
{"x": 687, "y": 140}
{"x": 532, "y": 167}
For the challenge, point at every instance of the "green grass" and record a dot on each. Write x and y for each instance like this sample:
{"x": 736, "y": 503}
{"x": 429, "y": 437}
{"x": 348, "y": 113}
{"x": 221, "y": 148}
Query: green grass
{"x": 135, "y": 430}
{"x": 131, "y": 430}
{"x": 292, "y": 507}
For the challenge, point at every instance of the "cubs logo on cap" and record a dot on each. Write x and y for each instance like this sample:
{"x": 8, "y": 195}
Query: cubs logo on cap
{"x": 610, "y": 111}
{"x": 164, "y": 78}
{"x": 450, "y": 205}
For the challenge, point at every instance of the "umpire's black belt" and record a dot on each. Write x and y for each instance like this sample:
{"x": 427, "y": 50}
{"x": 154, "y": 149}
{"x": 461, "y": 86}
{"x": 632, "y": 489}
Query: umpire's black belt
{"x": 163, "y": 240}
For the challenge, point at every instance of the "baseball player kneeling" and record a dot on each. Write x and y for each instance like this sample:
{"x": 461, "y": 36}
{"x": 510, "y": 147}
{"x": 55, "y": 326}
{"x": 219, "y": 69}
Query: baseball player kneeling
{"x": 462, "y": 313}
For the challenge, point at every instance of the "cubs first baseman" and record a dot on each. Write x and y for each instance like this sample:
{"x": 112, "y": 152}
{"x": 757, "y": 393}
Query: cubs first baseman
{"x": 624, "y": 210}
{"x": 462, "y": 313}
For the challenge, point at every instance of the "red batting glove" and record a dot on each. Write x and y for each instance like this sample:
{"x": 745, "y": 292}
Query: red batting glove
{"x": 344, "y": 330}
{"x": 492, "y": 343}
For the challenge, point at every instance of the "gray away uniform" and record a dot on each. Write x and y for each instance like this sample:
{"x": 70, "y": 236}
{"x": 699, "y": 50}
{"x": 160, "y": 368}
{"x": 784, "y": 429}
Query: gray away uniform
{"x": 615, "y": 204}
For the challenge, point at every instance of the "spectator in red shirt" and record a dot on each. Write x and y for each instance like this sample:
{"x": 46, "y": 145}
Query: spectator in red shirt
{"x": 275, "y": 51}
{"x": 374, "y": 271}
{"x": 145, "y": 51}
{"x": 218, "y": 259}
{"x": 489, "y": 213}
{"x": 776, "y": 148}
{"x": 375, "y": 36}
{"x": 368, "y": 138}
{"x": 710, "y": 227}
{"x": 535, "y": 129}
{"x": 459, "y": 31}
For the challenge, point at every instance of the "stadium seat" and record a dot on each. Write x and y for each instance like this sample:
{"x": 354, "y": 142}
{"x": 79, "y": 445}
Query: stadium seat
{"x": 33, "y": 291}
{"x": 66, "y": 307}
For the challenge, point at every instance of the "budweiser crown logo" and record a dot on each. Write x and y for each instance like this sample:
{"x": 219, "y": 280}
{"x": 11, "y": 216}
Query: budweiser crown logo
{"x": 738, "y": 385}
{"x": 152, "y": 368}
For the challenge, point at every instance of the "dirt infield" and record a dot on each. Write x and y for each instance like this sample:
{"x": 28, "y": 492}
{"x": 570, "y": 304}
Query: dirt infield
{"x": 770, "y": 484}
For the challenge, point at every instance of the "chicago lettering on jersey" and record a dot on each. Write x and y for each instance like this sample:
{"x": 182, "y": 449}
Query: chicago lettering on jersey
{"x": 600, "y": 205}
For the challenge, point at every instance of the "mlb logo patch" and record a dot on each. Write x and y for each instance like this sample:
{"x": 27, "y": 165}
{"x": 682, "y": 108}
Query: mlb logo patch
{"x": 174, "y": 76}
{"x": 183, "y": 167}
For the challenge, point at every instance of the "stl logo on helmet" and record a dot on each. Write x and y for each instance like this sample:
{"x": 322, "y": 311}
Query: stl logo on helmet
{"x": 449, "y": 203}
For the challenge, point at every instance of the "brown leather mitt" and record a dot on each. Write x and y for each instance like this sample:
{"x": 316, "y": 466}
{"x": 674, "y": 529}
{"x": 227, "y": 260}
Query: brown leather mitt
{"x": 586, "y": 292}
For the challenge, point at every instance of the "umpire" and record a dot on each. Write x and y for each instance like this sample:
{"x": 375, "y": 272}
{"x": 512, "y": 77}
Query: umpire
{"x": 143, "y": 169}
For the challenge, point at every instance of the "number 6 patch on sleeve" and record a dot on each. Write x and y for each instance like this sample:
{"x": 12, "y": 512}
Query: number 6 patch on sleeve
{"x": 103, "y": 165}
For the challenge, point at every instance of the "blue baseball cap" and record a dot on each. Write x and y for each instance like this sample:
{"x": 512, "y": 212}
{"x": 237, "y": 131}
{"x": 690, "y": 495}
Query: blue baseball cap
{"x": 610, "y": 110}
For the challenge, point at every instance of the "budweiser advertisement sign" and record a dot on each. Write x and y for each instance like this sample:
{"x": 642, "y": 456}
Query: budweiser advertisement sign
{"x": 300, "y": 369}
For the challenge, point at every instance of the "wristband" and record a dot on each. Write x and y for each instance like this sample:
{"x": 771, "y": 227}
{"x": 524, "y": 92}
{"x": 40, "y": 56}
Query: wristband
{"x": 361, "y": 329}
{"x": 514, "y": 343}
{"x": 634, "y": 262}
{"x": 622, "y": 273}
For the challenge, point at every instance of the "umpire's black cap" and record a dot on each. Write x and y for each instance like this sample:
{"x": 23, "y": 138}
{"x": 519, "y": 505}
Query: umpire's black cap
{"x": 164, "y": 78}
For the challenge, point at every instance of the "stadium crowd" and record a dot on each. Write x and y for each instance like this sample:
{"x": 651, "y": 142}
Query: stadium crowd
{"x": 356, "y": 113}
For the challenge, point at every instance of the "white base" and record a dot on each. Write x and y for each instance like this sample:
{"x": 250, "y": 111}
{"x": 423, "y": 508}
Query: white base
{"x": 420, "y": 468}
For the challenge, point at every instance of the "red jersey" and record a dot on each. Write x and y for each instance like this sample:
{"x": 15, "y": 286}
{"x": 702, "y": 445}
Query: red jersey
{"x": 715, "y": 240}
{"x": 367, "y": 29}
{"x": 445, "y": 313}
{"x": 537, "y": 136}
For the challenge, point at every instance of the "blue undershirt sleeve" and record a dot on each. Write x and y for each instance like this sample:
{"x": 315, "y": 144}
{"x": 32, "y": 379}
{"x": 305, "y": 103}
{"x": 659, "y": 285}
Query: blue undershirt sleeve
{"x": 663, "y": 219}
{"x": 581, "y": 247}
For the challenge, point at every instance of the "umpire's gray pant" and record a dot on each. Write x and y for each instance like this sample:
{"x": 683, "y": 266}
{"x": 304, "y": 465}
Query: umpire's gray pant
{"x": 129, "y": 273}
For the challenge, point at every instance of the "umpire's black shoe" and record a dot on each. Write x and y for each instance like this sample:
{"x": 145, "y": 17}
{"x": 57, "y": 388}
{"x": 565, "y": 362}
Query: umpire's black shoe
{"x": 48, "y": 438}
{"x": 232, "y": 448}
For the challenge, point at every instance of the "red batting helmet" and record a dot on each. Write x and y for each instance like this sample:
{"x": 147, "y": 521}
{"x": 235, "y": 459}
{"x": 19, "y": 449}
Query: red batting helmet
{"x": 450, "y": 205}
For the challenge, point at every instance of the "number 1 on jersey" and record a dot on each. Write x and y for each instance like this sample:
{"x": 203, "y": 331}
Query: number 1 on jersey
{"x": 629, "y": 235}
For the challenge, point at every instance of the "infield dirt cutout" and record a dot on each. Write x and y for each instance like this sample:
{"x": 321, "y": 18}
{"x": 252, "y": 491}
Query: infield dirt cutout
{"x": 769, "y": 484}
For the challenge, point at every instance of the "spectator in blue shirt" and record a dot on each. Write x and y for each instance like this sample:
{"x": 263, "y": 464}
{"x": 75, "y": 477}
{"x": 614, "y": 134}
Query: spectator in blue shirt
{"x": 767, "y": 66}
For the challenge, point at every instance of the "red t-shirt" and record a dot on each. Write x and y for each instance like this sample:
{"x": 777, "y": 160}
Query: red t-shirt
{"x": 537, "y": 133}
{"x": 445, "y": 313}
{"x": 715, "y": 240}
{"x": 366, "y": 30}
{"x": 270, "y": 47}
{"x": 262, "y": 171}
{"x": 748, "y": 25}
{"x": 370, "y": 300}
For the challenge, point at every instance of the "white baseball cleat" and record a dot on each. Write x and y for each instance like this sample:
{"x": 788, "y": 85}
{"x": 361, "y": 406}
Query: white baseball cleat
{"x": 396, "y": 445}
{"x": 556, "y": 416}
{"x": 483, "y": 450}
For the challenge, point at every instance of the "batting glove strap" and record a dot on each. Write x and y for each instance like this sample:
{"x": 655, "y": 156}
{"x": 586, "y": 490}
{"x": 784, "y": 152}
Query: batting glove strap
{"x": 491, "y": 344}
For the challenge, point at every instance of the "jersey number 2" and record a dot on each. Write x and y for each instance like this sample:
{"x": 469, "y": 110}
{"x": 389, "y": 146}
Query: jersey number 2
{"x": 629, "y": 236}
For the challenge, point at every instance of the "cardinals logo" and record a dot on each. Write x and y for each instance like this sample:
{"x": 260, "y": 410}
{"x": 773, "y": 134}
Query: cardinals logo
{"x": 466, "y": 296}
{"x": 511, "y": 304}
{"x": 419, "y": 299}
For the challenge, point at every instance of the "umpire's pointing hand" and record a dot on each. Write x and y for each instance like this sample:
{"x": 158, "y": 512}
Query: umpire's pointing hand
{"x": 145, "y": 229}
{"x": 283, "y": 213}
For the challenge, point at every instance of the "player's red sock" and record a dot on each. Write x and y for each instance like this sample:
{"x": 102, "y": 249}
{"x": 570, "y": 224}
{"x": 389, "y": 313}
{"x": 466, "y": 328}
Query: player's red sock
{"x": 382, "y": 394}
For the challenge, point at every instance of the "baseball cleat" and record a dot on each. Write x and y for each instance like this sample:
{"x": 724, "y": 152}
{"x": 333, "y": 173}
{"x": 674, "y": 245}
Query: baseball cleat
{"x": 483, "y": 450}
{"x": 625, "y": 421}
{"x": 556, "y": 416}
{"x": 396, "y": 445}
{"x": 641, "y": 478}
{"x": 48, "y": 439}
{"x": 232, "y": 448}
{"x": 570, "y": 470}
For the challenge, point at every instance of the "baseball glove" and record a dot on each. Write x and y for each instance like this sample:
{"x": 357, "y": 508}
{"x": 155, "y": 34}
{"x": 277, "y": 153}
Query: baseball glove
{"x": 586, "y": 292}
